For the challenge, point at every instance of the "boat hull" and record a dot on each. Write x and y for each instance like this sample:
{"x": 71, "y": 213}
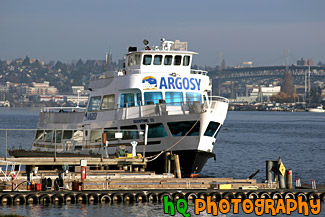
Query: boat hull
{"x": 191, "y": 162}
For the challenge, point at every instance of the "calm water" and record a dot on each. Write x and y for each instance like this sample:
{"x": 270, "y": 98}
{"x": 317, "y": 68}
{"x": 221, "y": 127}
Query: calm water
{"x": 245, "y": 142}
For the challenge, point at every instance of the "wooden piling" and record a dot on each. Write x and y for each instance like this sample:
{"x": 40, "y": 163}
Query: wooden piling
{"x": 167, "y": 162}
{"x": 177, "y": 166}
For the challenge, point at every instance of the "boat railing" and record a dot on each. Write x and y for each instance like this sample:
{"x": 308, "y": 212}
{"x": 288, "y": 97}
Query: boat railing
{"x": 173, "y": 106}
{"x": 63, "y": 109}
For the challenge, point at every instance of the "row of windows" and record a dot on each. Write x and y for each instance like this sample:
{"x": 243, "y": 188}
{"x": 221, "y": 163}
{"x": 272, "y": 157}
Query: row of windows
{"x": 131, "y": 132}
{"x": 167, "y": 60}
{"x": 58, "y": 135}
{"x": 171, "y": 98}
{"x": 135, "y": 99}
{"x": 107, "y": 103}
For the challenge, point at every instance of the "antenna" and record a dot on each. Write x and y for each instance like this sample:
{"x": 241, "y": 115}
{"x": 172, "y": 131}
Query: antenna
{"x": 219, "y": 69}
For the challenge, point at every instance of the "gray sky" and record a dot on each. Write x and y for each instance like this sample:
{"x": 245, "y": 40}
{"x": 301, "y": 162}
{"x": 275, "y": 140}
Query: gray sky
{"x": 243, "y": 30}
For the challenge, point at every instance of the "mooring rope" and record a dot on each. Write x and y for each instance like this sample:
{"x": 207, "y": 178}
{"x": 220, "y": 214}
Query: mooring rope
{"x": 163, "y": 151}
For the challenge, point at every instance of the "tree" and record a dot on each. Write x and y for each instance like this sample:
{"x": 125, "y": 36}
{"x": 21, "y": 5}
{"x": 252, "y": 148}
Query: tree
{"x": 26, "y": 61}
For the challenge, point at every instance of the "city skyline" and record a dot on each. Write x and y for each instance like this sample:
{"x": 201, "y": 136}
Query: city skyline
{"x": 251, "y": 30}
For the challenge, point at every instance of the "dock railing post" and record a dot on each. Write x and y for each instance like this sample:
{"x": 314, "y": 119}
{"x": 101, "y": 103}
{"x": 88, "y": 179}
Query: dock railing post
{"x": 54, "y": 145}
{"x": 145, "y": 141}
{"x": 269, "y": 167}
{"x": 289, "y": 178}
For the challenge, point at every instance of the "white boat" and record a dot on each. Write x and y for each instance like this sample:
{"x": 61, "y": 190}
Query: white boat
{"x": 157, "y": 88}
{"x": 317, "y": 109}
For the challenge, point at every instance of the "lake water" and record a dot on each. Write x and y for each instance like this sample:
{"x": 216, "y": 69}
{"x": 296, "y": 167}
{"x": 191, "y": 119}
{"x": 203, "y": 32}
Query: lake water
{"x": 244, "y": 143}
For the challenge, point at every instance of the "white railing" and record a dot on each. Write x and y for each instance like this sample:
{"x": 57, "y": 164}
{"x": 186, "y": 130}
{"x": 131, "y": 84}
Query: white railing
{"x": 63, "y": 109}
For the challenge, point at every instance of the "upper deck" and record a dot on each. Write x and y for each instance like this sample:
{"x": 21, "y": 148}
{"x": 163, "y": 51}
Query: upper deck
{"x": 166, "y": 58}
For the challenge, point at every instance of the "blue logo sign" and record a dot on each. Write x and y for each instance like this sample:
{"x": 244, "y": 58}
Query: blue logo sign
{"x": 149, "y": 83}
{"x": 180, "y": 83}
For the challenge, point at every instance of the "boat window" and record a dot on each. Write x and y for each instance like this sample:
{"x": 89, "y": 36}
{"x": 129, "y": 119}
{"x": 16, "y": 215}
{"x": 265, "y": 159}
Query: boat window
{"x": 157, "y": 60}
{"x": 58, "y": 136}
{"x": 168, "y": 60}
{"x": 186, "y": 60}
{"x": 48, "y": 136}
{"x": 78, "y": 135}
{"x": 108, "y": 102}
{"x": 96, "y": 135}
{"x": 39, "y": 136}
{"x": 130, "y": 132}
{"x": 137, "y": 59}
{"x": 94, "y": 104}
{"x": 139, "y": 99}
{"x": 191, "y": 97}
{"x": 131, "y": 60}
{"x": 174, "y": 98}
{"x": 211, "y": 129}
{"x": 152, "y": 97}
{"x": 67, "y": 134}
{"x": 178, "y": 60}
{"x": 181, "y": 128}
{"x": 155, "y": 130}
{"x": 147, "y": 59}
{"x": 127, "y": 100}
{"x": 110, "y": 133}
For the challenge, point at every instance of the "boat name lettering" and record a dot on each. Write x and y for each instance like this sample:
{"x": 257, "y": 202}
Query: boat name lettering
{"x": 92, "y": 116}
{"x": 180, "y": 83}
{"x": 143, "y": 121}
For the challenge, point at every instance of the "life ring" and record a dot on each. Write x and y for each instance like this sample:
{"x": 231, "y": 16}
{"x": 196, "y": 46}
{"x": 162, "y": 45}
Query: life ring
{"x": 128, "y": 198}
{"x": 303, "y": 195}
{"x": 105, "y": 198}
{"x": 92, "y": 198}
{"x": 44, "y": 199}
{"x": 81, "y": 198}
{"x": 241, "y": 195}
{"x": 265, "y": 195}
{"x": 228, "y": 196}
{"x": 313, "y": 196}
{"x": 277, "y": 196}
{"x": 69, "y": 198}
{"x": 31, "y": 199}
{"x": 162, "y": 195}
{"x": 252, "y": 195}
{"x": 6, "y": 199}
{"x": 190, "y": 197}
{"x": 19, "y": 199}
{"x": 141, "y": 198}
{"x": 116, "y": 198}
{"x": 178, "y": 196}
{"x": 152, "y": 198}
{"x": 57, "y": 199}
{"x": 288, "y": 195}
{"x": 203, "y": 195}
{"x": 322, "y": 197}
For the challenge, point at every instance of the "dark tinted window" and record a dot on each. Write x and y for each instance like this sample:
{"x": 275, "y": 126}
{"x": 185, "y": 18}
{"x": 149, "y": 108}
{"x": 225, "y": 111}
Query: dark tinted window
{"x": 110, "y": 133}
{"x": 211, "y": 129}
{"x": 182, "y": 127}
{"x": 130, "y": 132}
{"x": 178, "y": 60}
{"x": 168, "y": 60}
{"x": 155, "y": 130}
{"x": 147, "y": 59}
{"x": 157, "y": 60}
{"x": 186, "y": 60}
